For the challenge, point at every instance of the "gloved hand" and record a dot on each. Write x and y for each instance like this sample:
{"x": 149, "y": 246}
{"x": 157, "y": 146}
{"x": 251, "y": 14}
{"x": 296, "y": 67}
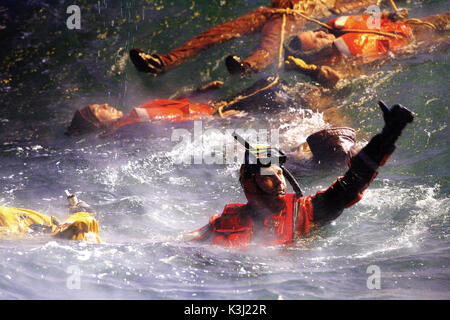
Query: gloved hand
{"x": 395, "y": 119}
{"x": 326, "y": 76}
{"x": 381, "y": 146}
{"x": 300, "y": 65}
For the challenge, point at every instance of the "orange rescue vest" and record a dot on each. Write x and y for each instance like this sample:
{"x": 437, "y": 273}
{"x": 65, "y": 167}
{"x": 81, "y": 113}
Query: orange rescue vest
{"x": 369, "y": 46}
{"x": 166, "y": 111}
{"x": 235, "y": 226}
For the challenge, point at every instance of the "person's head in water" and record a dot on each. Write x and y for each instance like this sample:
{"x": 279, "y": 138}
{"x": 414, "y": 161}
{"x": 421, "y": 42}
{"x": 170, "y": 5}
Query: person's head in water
{"x": 315, "y": 40}
{"x": 93, "y": 118}
{"x": 264, "y": 187}
{"x": 311, "y": 46}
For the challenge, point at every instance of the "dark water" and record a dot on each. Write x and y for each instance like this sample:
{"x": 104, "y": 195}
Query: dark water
{"x": 144, "y": 201}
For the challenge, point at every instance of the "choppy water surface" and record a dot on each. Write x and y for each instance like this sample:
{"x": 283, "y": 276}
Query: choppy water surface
{"x": 144, "y": 201}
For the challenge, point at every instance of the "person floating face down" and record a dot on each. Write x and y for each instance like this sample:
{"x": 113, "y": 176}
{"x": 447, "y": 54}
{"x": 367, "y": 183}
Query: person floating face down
{"x": 272, "y": 216}
{"x": 25, "y": 223}
{"x": 269, "y": 20}
{"x": 358, "y": 39}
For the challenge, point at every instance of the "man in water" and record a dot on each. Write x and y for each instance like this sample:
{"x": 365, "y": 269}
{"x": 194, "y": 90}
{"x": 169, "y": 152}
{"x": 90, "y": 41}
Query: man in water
{"x": 267, "y": 95}
{"x": 108, "y": 120}
{"x": 269, "y": 20}
{"x": 331, "y": 146}
{"x": 263, "y": 95}
{"x": 271, "y": 216}
{"x": 79, "y": 225}
{"x": 358, "y": 39}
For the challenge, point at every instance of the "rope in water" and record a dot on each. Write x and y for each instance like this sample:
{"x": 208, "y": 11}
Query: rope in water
{"x": 222, "y": 104}
{"x": 412, "y": 20}
{"x": 303, "y": 15}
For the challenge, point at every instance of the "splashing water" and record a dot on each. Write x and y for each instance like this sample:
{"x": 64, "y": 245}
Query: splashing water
{"x": 147, "y": 193}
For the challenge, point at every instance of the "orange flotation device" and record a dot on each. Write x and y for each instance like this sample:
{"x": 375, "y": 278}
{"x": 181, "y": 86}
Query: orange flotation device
{"x": 370, "y": 46}
{"x": 166, "y": 111}
{"x": 234, "y": 226}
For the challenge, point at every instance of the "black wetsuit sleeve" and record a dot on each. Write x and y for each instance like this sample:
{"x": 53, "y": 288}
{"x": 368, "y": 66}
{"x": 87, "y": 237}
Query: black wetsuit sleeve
{"x": 347, "y": 190}
{"x": 264, "y": 93}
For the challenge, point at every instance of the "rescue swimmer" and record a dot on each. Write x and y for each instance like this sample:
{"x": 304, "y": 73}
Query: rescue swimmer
{"x": 354, "y": 40}
{"x": 81, "y": 225}
{"x": 272, "y": 216}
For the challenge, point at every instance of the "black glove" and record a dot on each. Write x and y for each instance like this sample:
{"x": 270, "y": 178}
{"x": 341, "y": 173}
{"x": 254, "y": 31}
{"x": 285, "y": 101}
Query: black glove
{"x": 381, "y": 146}
{"x": 395, "y": 120}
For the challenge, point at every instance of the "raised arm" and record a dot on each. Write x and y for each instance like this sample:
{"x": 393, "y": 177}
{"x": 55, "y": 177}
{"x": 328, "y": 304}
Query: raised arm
{"x": 347, "y": 190}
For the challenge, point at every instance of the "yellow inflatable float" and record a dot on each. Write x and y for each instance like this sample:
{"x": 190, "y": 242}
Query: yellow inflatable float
{"x": 21, "y": 223}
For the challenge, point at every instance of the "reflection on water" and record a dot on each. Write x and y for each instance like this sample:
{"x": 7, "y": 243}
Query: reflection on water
{"x": 144, "y": 202}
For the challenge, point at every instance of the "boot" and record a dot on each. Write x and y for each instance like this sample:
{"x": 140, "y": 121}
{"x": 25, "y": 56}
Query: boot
{"x": 235, "y": 65}
{"x": 144, "y": 62}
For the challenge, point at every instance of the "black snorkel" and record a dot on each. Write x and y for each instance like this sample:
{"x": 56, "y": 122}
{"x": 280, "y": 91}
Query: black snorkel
{"x": 266, "y": 156}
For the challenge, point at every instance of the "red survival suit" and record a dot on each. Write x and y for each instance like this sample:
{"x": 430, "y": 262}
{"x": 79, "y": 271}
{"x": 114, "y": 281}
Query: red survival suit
{"x": 234, "y": 227}
{"x": 352, "y": 42}
{"x": 271, "y": 28}
{"x": 164, "y": 111}
{"x": 369, "y": 46}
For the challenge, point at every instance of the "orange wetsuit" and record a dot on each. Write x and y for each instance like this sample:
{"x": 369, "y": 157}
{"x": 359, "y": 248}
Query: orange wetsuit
{"x": 270, "y": 24}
